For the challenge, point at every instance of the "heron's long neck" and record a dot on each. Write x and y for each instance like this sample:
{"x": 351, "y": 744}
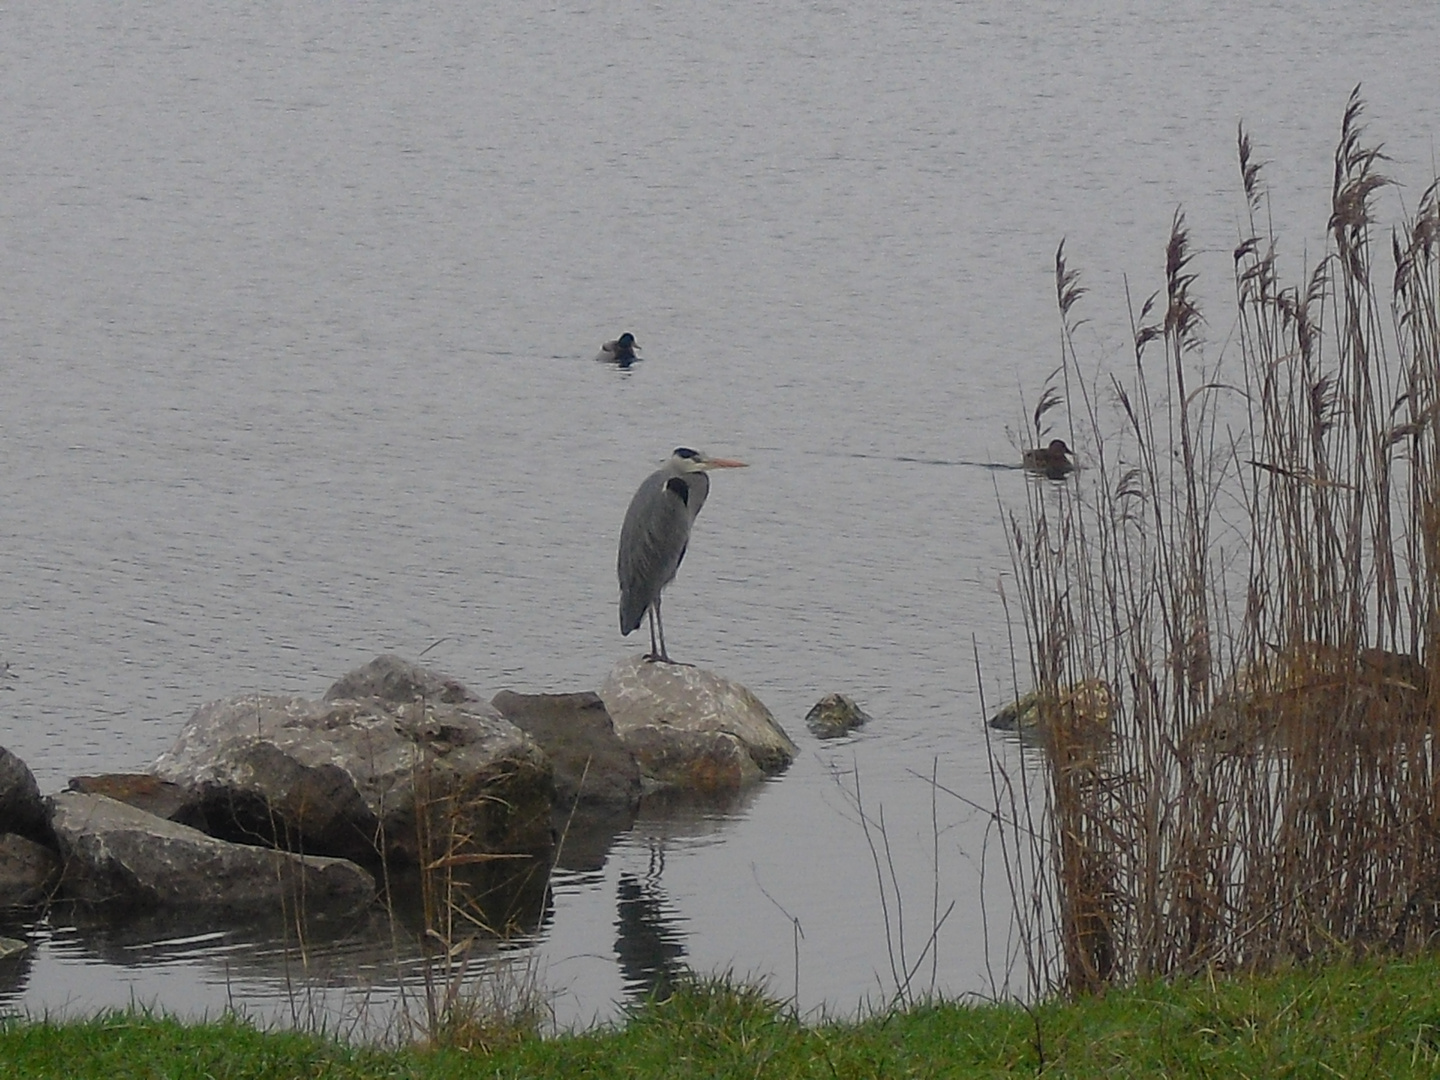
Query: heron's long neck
{"x": 699, "y": 482}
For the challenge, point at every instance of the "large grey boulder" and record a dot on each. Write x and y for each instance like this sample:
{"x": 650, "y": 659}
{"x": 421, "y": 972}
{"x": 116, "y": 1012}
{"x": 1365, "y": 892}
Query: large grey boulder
{"x": 22, "y": 811}
{"x": 118, "y": 856}
{"x": 397, "y": 762}
{"x": 692, "y": 729}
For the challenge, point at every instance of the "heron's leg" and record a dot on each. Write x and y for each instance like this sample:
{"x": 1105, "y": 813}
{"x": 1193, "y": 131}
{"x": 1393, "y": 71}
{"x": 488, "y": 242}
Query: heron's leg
{"x": 654, "y": 653}
{"x": 659, "y": 622}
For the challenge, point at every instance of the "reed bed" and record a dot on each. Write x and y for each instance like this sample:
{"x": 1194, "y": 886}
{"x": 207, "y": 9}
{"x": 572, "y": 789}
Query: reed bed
{"x": 1230, "y": 614}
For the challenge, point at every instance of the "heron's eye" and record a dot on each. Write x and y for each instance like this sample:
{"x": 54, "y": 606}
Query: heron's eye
{"x": 686, "y": 452}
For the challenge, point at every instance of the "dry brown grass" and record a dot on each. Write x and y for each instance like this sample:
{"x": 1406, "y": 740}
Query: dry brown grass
{"x": 472, "y": 901}
{"x": 1249, "y": 564}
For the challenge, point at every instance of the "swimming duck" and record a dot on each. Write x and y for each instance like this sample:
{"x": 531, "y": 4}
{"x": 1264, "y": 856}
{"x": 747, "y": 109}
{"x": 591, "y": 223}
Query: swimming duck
{"x": 620, "y": 351}
{"x": 1055, "y": 460}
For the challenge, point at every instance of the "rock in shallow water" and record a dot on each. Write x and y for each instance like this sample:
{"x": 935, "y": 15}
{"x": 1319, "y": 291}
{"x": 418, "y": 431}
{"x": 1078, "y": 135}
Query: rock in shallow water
{"x": 394, "y": 679}
{"x": 144, "y": 792}
{"x": 835, "y": 715}
{"x": 22, "y": 811}
{"x": 27, "y": 872}
{"x": 1082, "y": 710}
{"x": 118, "y": 856}
{"x": 592, "y": 765}
{"x": 691, "y": 728}
{"x": 408, "y": 778}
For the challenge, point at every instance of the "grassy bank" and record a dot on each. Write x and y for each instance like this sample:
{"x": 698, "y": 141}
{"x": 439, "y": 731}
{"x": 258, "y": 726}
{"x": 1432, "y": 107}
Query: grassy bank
{"x": 1342, "y": 1020}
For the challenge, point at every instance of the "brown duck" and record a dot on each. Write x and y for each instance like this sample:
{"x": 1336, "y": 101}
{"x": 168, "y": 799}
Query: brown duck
{"x": 1056, "y": 460}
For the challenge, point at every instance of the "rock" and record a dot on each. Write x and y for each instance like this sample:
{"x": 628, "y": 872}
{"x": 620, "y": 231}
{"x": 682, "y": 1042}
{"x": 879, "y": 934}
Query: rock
{"x": 1368, "y": 700}
{"x": 597, "y": 779}
{"x": 392, "y": 678}
{"x": 379, "y": 776}
{"x": 22, "y": 811}
{"x": 28, "y": 872}
{"x": 835, "y": 715}
{"x": 1084, "y": 710}
{"x": 691, "y": 728}
{"x": 698, "y": 761}
{"x": 591, "y": 764}
{"x": 144, "y": 791}
{"x": 120, "y": 857}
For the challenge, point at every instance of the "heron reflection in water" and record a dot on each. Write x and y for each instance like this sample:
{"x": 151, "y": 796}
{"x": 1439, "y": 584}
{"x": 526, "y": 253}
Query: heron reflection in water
{"x": 648, "y": 946}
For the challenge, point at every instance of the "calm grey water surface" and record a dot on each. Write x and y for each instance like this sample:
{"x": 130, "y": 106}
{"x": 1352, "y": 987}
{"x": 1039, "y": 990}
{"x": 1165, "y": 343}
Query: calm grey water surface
{"x": 298, "y": 310}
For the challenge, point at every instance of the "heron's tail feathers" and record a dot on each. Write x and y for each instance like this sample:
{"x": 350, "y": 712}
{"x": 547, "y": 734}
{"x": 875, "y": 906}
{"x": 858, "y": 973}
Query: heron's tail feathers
{"x": 631, "y": 613}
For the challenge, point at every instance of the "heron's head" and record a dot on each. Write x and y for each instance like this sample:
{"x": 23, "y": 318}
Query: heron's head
{"x": 1057, "y": 446}
{"x": 685, "y": 460}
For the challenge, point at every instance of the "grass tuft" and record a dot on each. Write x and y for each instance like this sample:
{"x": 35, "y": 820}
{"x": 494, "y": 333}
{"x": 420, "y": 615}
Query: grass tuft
{"x": 1345, "y": 1019}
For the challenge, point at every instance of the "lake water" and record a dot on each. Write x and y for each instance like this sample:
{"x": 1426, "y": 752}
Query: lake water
{"x": 296, "y": 334}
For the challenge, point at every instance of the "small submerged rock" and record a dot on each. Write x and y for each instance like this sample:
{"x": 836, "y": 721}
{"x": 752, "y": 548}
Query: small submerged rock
{"x": 835, "y": 715}
{"x": 1083, "y": 710}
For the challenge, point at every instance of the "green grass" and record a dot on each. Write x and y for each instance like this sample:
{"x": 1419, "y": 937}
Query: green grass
{"x": 1368, "y": 1020}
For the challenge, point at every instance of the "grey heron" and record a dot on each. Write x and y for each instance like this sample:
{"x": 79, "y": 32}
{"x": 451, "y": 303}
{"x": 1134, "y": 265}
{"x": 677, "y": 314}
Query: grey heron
{"x": 620, "y": 351}
{"x": 1056, "y": 460}
{"x": 655, "y": 534}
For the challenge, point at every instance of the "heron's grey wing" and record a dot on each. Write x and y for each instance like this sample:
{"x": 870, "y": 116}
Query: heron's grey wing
{"x": 652, "y": 542}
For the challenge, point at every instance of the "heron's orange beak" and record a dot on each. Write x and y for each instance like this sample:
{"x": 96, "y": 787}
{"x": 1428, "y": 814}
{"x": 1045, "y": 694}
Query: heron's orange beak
{"x": 724, "y": 463}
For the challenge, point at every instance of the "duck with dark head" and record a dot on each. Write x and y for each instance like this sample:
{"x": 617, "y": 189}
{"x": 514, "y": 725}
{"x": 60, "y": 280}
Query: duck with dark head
{"x": 621, "y": 351}
{"x": 1055, "y": 461}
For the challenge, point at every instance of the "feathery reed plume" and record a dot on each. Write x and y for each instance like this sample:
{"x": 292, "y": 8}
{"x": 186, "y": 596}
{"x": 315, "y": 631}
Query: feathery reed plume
{"x": 1250, "y": 574}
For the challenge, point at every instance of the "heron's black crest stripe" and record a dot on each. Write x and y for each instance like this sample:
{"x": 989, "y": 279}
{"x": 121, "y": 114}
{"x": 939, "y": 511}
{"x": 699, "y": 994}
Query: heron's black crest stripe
{"x": 686, "y": 452}
{"x": 679, "y": 487}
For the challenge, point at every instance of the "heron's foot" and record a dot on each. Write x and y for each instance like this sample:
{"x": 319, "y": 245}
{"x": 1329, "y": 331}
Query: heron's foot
{"x": 656, "y": 658}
